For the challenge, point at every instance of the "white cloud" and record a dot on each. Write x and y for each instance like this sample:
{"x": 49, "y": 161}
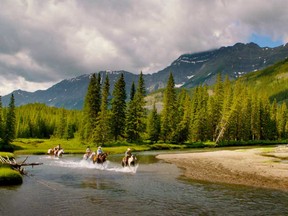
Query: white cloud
{"x": 46, "y": 41}
{"x": 11, "y": 83}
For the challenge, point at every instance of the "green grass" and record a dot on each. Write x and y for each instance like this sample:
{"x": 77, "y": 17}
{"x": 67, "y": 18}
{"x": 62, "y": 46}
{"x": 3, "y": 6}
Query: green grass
{"x": 73, "y": 146}
{"x": 9, "y": 176}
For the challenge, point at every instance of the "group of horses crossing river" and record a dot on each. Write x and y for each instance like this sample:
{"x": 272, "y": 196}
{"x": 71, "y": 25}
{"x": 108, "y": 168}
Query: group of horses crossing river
{"x": 129, "y": 160}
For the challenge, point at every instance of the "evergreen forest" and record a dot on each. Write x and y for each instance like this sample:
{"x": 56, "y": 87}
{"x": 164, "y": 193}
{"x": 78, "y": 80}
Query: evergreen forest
{"x": 227, "y": 112}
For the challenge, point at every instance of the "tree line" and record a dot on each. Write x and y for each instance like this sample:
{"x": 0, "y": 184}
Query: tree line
{"x": 224, "y": 112}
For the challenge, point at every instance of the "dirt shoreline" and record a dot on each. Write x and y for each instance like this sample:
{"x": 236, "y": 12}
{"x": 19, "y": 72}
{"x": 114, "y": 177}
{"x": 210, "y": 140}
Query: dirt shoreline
{"x": 251, "y": 167}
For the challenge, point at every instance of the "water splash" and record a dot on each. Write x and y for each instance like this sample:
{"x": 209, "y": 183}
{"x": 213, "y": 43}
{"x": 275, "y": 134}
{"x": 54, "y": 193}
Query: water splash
{"x": 108, "y": 166}
{"x": 124, "y": 169}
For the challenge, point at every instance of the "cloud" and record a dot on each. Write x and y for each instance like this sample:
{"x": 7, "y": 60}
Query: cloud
{"x": 47, "y": 41}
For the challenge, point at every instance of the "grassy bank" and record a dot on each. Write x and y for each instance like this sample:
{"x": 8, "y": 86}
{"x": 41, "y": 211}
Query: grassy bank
{"x": 73, "y": 146}
{"x": 9, "y": 176}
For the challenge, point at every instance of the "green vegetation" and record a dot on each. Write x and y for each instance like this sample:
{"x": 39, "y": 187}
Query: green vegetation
{"x": 7, "y": 125}
{"x": 6, "y": 154}
{"x": 249, "y": 111}
{"x": 9, "y": 176}
{"x": 228, "y": 113}
{"x": 73, "y": 146}
{"x": 272, "y": 81}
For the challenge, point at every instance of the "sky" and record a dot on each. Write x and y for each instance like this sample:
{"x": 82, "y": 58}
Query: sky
{"x": 44, "y": 42}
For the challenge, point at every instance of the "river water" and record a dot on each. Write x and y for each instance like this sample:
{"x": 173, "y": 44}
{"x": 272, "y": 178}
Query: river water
{"x": 71, "y": 186}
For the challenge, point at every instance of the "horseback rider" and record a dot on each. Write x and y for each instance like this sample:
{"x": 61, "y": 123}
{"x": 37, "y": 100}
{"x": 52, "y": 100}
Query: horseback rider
{"x": 127, "y": 155}
{"x": 56, "y": 149}
{"x": 99, "y": 152}
{"x": 88, "y": 151}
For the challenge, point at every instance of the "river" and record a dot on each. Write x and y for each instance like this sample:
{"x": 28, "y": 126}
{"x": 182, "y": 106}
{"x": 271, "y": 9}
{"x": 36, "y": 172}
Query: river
{"x": 71, "y": 186}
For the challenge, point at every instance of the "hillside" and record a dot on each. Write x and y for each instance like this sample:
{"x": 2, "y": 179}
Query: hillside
{"x": 272, "y": 81}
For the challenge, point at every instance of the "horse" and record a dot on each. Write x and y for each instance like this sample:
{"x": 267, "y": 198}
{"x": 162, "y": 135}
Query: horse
{"x": 88, "y": 155}
{"x": 55, "y": 153}
{"x": 99, "y": 159}
{"x": 130, "y": 162}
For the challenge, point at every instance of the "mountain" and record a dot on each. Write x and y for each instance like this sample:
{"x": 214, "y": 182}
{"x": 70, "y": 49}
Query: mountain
{"x": 189, "y": 70}
{"x": 69, "y": 93}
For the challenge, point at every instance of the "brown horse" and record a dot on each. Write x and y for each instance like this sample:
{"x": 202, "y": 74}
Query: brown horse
{"x": 100, "y": 159}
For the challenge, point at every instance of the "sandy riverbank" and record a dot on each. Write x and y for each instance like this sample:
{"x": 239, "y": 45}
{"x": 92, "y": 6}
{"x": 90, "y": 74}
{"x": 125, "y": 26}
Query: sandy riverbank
{"x": 244, "y": 167}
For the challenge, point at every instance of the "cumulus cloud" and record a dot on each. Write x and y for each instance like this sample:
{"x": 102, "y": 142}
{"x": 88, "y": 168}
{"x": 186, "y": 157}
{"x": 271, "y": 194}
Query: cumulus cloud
{"x": 47, "y": 41}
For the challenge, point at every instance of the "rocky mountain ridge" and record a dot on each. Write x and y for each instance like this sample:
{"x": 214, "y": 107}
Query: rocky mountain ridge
{"x": 189, "y": 70}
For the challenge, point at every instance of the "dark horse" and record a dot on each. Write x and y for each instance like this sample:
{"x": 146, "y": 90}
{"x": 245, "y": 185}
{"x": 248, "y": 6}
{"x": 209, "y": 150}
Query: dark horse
{"x": 100, "y": 159}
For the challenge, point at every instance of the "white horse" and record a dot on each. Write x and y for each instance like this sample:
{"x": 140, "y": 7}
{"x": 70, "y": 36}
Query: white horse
{"x": 60, "y": 153}
{"x": 87, "y": 155}
{"x": 131, "y": 161}
{"x": 55, "y": 153}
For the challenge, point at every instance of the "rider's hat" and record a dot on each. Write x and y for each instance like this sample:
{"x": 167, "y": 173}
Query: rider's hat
{"x": 99, "y": 147}
{"x": 128, "y": 149}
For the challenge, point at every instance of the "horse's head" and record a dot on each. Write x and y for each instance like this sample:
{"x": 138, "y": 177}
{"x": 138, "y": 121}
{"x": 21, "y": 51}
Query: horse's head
{"x": 60, "y": 152}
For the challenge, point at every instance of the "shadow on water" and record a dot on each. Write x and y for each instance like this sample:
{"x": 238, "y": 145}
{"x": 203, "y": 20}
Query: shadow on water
{"x": 71, "y": 186}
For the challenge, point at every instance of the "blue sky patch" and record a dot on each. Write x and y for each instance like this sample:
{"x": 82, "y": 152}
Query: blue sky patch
{"x": 265, "y": 41}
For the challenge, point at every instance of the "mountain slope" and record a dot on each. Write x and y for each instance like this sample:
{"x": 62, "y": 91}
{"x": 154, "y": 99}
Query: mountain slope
{"x": 273, "y": 81}
{"x": 69, "y": 93}
{"x": 189, "y": 70}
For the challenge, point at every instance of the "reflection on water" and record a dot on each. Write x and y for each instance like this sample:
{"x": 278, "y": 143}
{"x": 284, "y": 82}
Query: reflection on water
{"x": 71, "y": 186}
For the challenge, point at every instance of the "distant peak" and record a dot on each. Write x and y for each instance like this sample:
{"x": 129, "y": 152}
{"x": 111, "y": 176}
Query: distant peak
{"x": 252, "y": 44}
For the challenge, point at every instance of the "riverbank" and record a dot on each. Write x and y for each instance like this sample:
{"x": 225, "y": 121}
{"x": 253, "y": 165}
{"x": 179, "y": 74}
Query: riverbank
{"x": 252, "y": 167}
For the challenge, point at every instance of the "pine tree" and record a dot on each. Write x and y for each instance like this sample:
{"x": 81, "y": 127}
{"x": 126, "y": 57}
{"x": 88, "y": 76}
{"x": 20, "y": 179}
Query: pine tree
{"x": 255, "y": 117}
{"x": 267, "y": 125}
{"x": 182, "y": 132}
{"x": 199, "y": 114}
{"x": 141, "y": 85}
{"x": 132, "y": 134}
{"x": 61, "y": 124}
{"x": 169, "y": 112}
{"x": 10, "y": 125}
{"x": 92, "y": 106}
{"x": 218, "y": 99}
{"x": 153, "y": 125}
{"x": 281, "y": 119}
{"x": 136, "y": 113}
{"x": 102, "y": 131}
{"x": 228, "y": 110}
{"x": 118, "y": 110}
{"x": 132, "y": 91}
